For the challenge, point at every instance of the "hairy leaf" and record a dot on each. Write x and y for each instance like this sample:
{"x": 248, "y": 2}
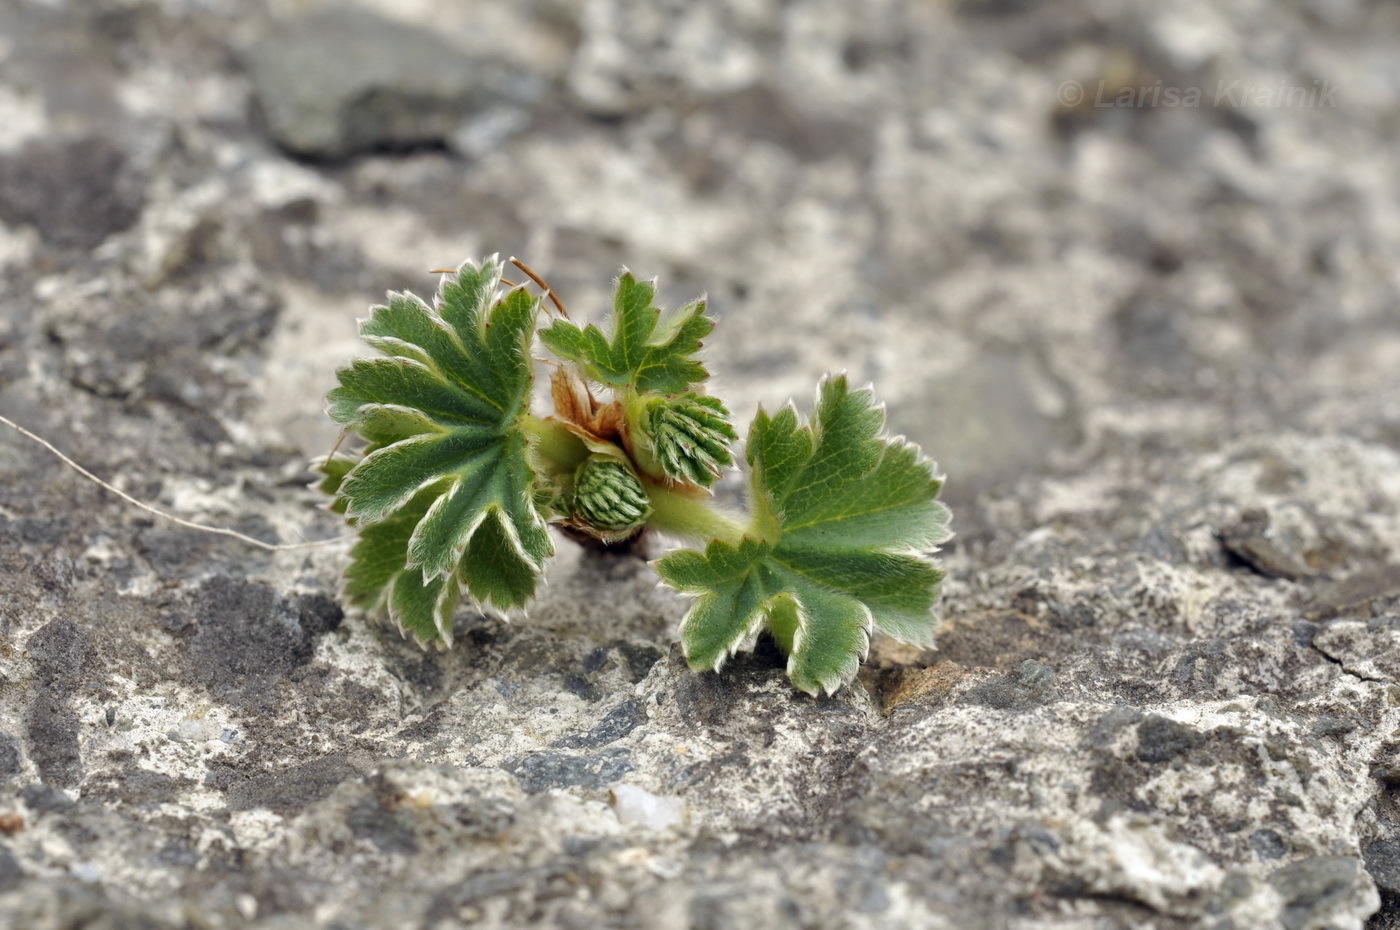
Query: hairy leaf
{"x": 444, "y": 497}
{"x": 649, "y": 352}
{"x": 334, "y": 468}
{"x": 844, "y": 525}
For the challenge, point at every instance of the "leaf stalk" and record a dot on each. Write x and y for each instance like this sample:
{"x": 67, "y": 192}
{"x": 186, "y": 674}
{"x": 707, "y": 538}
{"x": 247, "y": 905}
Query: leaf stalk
{"x": 693, "y": 519}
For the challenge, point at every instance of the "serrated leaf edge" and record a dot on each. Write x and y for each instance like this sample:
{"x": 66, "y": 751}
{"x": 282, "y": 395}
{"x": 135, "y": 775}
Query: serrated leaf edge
{"x": 850, "y": 666}
{"x": 887, "y": 443}
{"x": 750, "y": 629}
{"x": 387, "y": 511}
{"x": 452, "y": 592}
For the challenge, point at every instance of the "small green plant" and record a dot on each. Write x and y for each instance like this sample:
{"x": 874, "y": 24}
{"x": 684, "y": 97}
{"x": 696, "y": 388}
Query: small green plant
{"x": 459, "y": 478}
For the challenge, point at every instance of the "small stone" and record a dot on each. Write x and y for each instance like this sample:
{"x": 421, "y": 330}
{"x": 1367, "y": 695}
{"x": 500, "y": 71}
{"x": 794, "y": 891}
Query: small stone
{"x": 1249, "y": 541}
{"x": 1383, "y": 862}
{"x": 1387, "y": 773}
{"x": 1330, "y": 725}
{"x": 76, "y": 192}
{"x": 1320, "y": 889}
{"x": 11, "y": 872}
{"x": 338, "y": 83}
{"x": 1032, "y": 683}
{"x": 1268, "y": 845}
{"x": 638, "y": 807}
{"x": 1355, "y": 594}
{"x": 1161, "y": 739}
{"x": 554, "y": 769}
{"x": 617, "y": 723}
{"x": 9, "y": 756}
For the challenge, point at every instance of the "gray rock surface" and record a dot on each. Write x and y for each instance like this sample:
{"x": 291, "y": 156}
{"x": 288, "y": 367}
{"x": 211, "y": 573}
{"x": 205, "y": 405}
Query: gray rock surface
{"x": 1155, "y": 347}
{"x": 343, "y": 81}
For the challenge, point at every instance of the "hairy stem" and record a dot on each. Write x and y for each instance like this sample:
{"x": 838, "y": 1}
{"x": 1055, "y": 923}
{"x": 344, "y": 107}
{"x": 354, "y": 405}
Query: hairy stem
{"x": 634, "y": 410}
{"x": 558, "y": 448}
{"x": 783, "y": 623}
{"x": 692, "y": 519}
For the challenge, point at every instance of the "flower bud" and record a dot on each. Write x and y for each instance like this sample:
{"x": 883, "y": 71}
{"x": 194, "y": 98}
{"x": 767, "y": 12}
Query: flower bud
{"x": 691, "y": 436}
{"x": 609, "y": 497}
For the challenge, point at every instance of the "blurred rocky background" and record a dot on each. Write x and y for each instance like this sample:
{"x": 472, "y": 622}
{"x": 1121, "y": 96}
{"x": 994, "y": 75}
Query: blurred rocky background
{"x": 1130, "y": 271}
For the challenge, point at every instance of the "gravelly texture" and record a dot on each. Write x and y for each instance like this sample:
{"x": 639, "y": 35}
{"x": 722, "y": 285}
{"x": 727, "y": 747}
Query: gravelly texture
{"x": 1156, "y": 348}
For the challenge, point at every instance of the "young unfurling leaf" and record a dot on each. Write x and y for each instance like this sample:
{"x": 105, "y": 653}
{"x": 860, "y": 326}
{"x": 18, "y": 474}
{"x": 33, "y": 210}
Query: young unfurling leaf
{"x": 649, "y": 352}
{"x": 843, "y": 525}
{"x": 687, "y": 437}
{"x": 458, "y": 478}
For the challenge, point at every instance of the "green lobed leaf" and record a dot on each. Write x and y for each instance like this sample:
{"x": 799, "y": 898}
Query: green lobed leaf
{"x": 377, "y": 563}
{"x": 843, "y": 529}
{"x": 649, "y": 352}
{"x": 445, "y": 498}
{"x": 334, "y": 468}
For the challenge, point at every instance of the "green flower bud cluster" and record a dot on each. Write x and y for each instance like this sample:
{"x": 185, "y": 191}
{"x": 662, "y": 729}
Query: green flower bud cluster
{"x": 691, "y": 436}
{"x": 609, "y": 496}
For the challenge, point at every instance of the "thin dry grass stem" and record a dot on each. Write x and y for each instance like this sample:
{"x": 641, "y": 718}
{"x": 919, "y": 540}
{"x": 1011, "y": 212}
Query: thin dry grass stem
{"x": 554, "y": 298}
{"x": 156, "y": 511}
{"x": 336, "y": 448}
{"x": 549, "y": 291}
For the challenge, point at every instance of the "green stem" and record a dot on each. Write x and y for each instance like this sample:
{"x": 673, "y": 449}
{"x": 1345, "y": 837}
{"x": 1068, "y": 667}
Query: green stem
{"x": 634, "y": 412}
{"x": 782, "y": 622}
{"x": 559, "y": 448}
{"x": 692, "y": 519}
